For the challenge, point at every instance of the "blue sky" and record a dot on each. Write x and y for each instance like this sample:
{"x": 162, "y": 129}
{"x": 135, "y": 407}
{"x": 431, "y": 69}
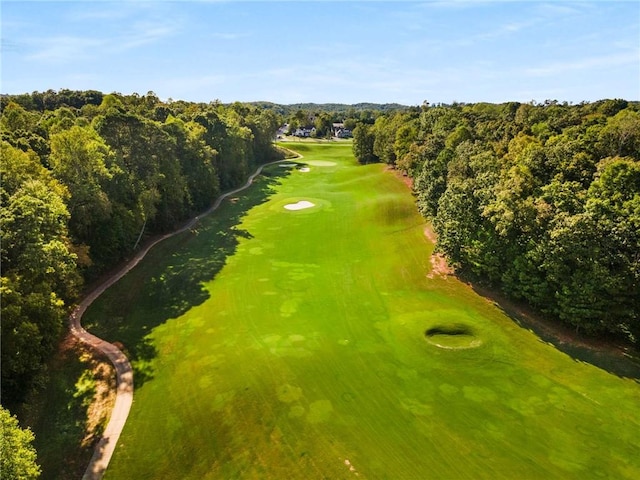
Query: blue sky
{"x": 322, "y": 51}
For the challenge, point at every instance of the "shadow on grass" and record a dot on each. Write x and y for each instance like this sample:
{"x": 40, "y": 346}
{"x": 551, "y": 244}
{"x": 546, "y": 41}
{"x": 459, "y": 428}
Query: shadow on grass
{"x": 170, "y": 280}
{"x": 57, "y": 413}
{"x": 610, "y": 354}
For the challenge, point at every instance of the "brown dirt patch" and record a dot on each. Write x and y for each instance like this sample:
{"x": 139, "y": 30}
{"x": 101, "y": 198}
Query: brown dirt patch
{"x": 439, "y": 265}
{"x": 406, "y": 179}
{"x": 104, "y": 398}
{"x": 104, "y": 375}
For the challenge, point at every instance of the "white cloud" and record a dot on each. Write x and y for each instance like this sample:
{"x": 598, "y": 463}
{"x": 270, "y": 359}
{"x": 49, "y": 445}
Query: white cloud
{"x": 102, "y": 12}
{"x": 9, "y": 46}
{"x": 507, "y": 29}
{"x": 63, "y": 49}
{"x": 229, "y": 36}
{"x": 458, "y": 4}
{"x": 144, "y": 33}
{"x": 558, "y": 9}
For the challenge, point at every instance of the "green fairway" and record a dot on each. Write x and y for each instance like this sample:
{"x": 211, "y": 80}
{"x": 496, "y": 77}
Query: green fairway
{"x": 309, "y": 343}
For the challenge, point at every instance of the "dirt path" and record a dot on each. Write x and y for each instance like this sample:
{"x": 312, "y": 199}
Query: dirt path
{"x": 124, "y": 374}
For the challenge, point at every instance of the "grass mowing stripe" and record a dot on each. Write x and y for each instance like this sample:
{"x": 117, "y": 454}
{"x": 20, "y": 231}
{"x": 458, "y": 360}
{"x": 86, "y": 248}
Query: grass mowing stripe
{"x": 291, "y": 344}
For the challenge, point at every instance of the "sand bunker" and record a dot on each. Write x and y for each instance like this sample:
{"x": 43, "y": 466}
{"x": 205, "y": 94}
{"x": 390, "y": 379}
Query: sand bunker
{"x": 287, "y": 165}
{"x": 305, "y": 169}
{"x": 453, "y": 336}
{"x": 301, "y": 205}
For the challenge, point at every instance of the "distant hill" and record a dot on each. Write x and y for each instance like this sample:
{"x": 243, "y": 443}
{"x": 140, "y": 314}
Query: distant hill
{"x": 331, "y": 107}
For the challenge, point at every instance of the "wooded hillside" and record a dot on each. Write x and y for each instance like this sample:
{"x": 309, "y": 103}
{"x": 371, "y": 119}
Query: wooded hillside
{"x": 85, "y": 178}
{"x": 540, "y": 200}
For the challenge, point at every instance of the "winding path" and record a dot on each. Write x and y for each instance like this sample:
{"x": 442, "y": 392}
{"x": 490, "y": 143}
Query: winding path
{"x": 124, "y": 374}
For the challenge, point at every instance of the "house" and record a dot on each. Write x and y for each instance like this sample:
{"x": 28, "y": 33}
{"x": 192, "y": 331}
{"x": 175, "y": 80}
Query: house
{"x": 340, "y": 132}
{"x": 305, "y": 132}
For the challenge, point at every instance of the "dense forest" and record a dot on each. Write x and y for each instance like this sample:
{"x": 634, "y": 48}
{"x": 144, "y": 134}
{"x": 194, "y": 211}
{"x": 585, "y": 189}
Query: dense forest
{"x": 539, "y": 200}
{"x": 86, "y": 177}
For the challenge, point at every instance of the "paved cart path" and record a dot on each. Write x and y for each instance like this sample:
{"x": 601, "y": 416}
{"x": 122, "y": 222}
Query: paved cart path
{"x": 124, "y": 374}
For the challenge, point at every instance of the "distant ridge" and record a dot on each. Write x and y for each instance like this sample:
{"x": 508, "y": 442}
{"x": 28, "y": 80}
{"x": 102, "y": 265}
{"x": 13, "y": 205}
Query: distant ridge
{"x": 330, "y": 107}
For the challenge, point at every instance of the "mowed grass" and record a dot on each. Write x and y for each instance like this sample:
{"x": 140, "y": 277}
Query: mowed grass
{"x": 277, "y": 344}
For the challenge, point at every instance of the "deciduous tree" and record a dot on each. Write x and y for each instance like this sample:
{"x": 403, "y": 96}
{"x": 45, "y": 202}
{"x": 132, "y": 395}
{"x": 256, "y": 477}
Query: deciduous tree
{"x": 17, "y": 455}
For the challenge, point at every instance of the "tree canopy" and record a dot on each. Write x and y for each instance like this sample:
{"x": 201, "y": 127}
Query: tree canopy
{"x": 85, "y": 178}
{"x": 17, "y": 455}
{"x": 541, "y": 200}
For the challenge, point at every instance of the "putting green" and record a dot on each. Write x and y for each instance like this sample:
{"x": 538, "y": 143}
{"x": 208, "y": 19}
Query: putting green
{"x": 270, "y": 343}
{"x": 321, "y": 163}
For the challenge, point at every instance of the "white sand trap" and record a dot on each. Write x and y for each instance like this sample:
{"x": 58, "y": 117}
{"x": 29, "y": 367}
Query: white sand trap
{"x": 287, "y": 165}
{"x": 305, "y": 169}
{"x": 301, "y": 205}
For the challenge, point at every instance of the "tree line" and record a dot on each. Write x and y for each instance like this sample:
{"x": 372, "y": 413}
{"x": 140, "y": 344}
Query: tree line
{"x": 339, "y": 110}
{"x": 539, "y": 200}
{"x": 85, "y": 178}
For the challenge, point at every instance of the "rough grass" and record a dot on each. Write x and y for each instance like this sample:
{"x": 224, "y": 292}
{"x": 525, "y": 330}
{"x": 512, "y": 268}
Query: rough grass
{"x": 70, "y": 411}
{"x": 291, "y": 344}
